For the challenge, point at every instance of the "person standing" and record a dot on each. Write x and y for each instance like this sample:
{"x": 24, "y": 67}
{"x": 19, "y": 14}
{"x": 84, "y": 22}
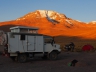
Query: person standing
{"x": 72, "y": 46}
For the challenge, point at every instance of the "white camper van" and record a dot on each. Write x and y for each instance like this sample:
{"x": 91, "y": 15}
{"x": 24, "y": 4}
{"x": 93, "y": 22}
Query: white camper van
{"x": 23, "y": 42}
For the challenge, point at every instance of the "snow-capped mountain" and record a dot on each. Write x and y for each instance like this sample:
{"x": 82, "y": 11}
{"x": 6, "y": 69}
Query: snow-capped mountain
{"x": 49, "y": 16}
{"x": 43, "y": 14}
{"x": 53, "y": 23}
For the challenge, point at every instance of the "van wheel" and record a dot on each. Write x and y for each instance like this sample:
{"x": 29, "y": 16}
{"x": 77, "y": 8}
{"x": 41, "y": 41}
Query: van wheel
{"x": 53, "y": 55}
{"x": 22, "y": 58}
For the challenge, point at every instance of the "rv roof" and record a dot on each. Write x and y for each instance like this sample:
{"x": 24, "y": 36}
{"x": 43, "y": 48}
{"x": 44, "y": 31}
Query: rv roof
{"x": 23, "y": 27}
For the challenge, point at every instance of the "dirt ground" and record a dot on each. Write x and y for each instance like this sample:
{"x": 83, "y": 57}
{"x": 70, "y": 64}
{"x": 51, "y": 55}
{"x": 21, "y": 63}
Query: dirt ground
{"x": 86, "y": 63}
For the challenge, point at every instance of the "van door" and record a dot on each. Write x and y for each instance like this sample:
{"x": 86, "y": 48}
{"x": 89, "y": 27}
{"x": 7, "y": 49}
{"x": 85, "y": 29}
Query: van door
{"x": 22, "y": 43}
{"x": 31, "y": 43}
{"x": 12, "y": 42}
{"x": 39, "y": 44}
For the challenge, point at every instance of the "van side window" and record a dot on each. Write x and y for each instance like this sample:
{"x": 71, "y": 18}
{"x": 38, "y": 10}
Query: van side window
{"x": 22, "y": 37}
{"x": 12, "y": 35}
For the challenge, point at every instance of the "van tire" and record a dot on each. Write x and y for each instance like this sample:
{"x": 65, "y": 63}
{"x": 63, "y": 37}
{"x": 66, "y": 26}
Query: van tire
{"x": 22, "y": 58}
{"x": 53, "y": 55}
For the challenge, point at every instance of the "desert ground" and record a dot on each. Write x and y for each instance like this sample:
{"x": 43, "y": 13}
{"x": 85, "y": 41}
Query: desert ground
{"x": 79, "y": 42}
{"x": 86, "y": 63}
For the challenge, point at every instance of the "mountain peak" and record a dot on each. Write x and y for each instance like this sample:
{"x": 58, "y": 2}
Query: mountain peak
{"x": 49, "y": 14}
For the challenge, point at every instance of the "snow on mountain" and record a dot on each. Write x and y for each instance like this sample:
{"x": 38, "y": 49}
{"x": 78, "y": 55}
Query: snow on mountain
{"x": 51, "y": 14}
{"x": 68, "y": 21}
{"x": 78, "y": 20}
{"x": 92, "y": 22}
{"x": 42, "y": 13}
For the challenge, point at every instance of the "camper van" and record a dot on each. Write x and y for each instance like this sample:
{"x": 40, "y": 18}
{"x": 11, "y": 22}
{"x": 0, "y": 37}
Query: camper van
{"x": 25, "y": 42}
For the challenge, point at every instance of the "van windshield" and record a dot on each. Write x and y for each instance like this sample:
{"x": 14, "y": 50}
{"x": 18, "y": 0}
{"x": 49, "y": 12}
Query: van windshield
{"x": 47, "y": 40}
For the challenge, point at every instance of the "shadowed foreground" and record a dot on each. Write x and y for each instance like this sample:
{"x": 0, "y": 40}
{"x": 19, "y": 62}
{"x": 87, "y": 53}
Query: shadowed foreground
{"x": 86, "y": 63}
